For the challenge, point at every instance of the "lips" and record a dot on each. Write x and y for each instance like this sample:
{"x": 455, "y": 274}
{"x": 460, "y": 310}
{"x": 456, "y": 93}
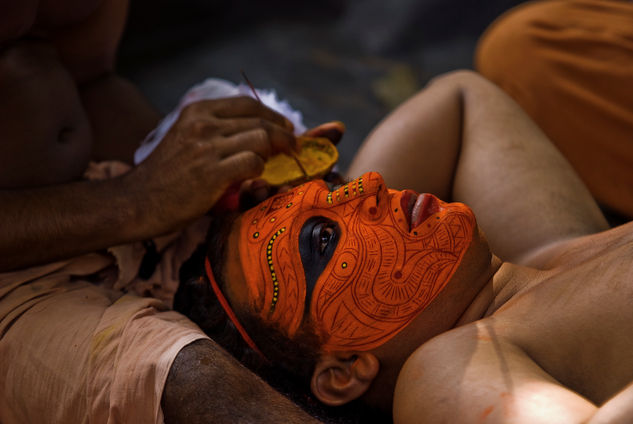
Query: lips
{"x": 407, "y": 204}
{"x": 425, "y": 206}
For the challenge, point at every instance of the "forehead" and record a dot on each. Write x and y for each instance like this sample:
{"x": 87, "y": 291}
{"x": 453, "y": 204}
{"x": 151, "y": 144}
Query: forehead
{"x": 269, "y": 248}
{"x": 310, "y": 196}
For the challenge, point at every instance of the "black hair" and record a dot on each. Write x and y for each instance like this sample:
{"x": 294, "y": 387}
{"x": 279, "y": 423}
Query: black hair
{"x": 289, "y": 363}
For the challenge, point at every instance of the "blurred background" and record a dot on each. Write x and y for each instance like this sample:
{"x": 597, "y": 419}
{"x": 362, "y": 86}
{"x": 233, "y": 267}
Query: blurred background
{"x": 347, "y": 60}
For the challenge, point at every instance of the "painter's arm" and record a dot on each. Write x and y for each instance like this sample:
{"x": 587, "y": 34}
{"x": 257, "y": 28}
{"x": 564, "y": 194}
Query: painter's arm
{"x": 206, "y": 385}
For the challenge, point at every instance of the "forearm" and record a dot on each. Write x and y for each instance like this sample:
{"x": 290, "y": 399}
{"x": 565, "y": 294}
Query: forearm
{"x": 49, "y": 223}
{"x": 206, "y": 385}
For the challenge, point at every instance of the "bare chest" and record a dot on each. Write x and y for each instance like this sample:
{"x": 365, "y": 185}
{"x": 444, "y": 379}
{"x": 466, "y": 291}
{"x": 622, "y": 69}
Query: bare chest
{"x": 577, "y": 324}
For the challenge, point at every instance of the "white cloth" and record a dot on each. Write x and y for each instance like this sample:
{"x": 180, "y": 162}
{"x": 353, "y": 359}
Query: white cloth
{"x": 215, "y": 88}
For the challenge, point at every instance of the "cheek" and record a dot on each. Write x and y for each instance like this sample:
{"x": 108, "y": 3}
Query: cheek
{"x": 380, "y": 280}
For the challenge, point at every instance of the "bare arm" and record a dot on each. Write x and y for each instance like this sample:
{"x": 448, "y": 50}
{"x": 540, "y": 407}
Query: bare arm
{"x": 465, "y": 140}
{"x": 206, "y": 385}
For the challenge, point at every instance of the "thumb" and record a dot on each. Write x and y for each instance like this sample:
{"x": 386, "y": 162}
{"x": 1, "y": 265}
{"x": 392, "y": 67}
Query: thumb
{"x": 331, "y": 130}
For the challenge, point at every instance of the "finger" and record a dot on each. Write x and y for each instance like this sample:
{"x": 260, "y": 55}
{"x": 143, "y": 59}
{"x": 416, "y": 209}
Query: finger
{"x": 242, "y": 166}
{"x": 331, "y": 130}
{"x": 230, "y": 126}
{"x": 280, "y": 139}
{"x": 243, "y": 106}
{"x": 256, "y": 140}
{"x": 284, "y": 188}
{"x": 254, "y": 192}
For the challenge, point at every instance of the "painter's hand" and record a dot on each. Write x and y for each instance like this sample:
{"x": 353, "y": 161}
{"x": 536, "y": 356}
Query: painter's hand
{"x": 255, "y": 191}
{"x": 214, "y": 144}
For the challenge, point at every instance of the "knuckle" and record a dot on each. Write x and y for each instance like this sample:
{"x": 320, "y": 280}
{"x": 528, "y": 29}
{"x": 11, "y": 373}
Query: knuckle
{"x": 202, "y": 128}
{"x": 261, "y": 134}
{"x": 192, "y": 108}
{"x": 247, "y": 100}
{"x": 252, "y": 161}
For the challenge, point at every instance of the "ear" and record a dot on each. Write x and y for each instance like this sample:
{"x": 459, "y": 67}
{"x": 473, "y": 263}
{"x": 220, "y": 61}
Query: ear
{"x": 341, "y": 378}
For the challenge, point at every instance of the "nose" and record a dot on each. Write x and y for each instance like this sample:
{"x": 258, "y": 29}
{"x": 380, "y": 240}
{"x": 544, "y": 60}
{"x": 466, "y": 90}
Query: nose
{"x": 373, "y": 183}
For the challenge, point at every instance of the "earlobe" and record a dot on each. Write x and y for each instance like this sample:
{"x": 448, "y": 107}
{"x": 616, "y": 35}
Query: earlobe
{"x": 341, "y": 378}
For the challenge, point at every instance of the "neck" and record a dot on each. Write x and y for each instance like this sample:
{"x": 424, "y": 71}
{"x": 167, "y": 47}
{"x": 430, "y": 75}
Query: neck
{"x": 506, "y": 281}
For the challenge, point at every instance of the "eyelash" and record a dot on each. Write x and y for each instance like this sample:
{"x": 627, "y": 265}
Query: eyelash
{"x": 326, "y": 233}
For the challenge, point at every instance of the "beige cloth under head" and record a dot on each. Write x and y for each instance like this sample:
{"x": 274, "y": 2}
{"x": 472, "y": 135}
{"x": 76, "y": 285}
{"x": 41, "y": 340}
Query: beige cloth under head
{"x": 72, "y": 351}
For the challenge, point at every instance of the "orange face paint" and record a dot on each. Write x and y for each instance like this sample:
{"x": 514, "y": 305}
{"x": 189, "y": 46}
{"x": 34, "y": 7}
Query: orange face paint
{"x": 384, "y": 270}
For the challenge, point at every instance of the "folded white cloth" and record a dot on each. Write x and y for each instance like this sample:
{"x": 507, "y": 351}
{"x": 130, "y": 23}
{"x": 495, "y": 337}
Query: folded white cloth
{"x": 215, "y": 88}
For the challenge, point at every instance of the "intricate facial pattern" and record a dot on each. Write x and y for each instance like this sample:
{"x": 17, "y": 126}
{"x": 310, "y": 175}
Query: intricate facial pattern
{"x": 377, "y": 269}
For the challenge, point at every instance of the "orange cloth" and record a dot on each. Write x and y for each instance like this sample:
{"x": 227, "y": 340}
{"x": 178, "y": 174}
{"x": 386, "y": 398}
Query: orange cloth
{"x": 569, "y": 64}
{"x": 72, "y": 351}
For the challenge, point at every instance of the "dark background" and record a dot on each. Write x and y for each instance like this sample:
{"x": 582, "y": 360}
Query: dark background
{"x": 347, "y": 60}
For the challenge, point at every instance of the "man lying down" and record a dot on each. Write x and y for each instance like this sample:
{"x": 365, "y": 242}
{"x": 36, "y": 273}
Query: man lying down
{"x": 397, "y": 299}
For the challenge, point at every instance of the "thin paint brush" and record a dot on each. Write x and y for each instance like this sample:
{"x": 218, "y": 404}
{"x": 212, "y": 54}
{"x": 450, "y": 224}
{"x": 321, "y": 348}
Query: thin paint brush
{"x": 293, "y": 155}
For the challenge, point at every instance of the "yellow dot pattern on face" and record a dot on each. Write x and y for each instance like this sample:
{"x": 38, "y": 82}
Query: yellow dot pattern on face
{"x": 346, "y": 189}
{"x": 360, "y": 185}
{"x": 271, "y": 267}
{"x": 329, "y": 197}
{"x": 344, "y": 265}
{"x": 272, "y": 219}
{"x": 256, "y": 235}
{"x": 288, "y": 205}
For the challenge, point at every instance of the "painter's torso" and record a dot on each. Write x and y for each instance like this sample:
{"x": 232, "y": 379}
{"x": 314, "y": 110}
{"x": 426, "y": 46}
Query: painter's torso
{"x": 49, "y": 51}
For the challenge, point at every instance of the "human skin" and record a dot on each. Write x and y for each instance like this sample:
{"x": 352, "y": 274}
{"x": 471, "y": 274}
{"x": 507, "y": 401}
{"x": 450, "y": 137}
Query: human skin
{"x": 536, "y": 213}
{"x": 544, "y": 337}
{"x": 205, "y": 384}
{"x": 63, "y": 106}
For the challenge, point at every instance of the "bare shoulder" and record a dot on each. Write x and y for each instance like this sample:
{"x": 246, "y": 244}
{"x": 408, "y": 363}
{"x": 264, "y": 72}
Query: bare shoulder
{"x": 576, "y": 250}
{"x": 472, "y": 374}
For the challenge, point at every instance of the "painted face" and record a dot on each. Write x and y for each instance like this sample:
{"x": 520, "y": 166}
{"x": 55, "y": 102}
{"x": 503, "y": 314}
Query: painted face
{"x": 360, "y": 262}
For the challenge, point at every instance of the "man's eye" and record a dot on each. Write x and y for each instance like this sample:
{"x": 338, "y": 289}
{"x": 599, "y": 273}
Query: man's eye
{"x": 325, "y": 237}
